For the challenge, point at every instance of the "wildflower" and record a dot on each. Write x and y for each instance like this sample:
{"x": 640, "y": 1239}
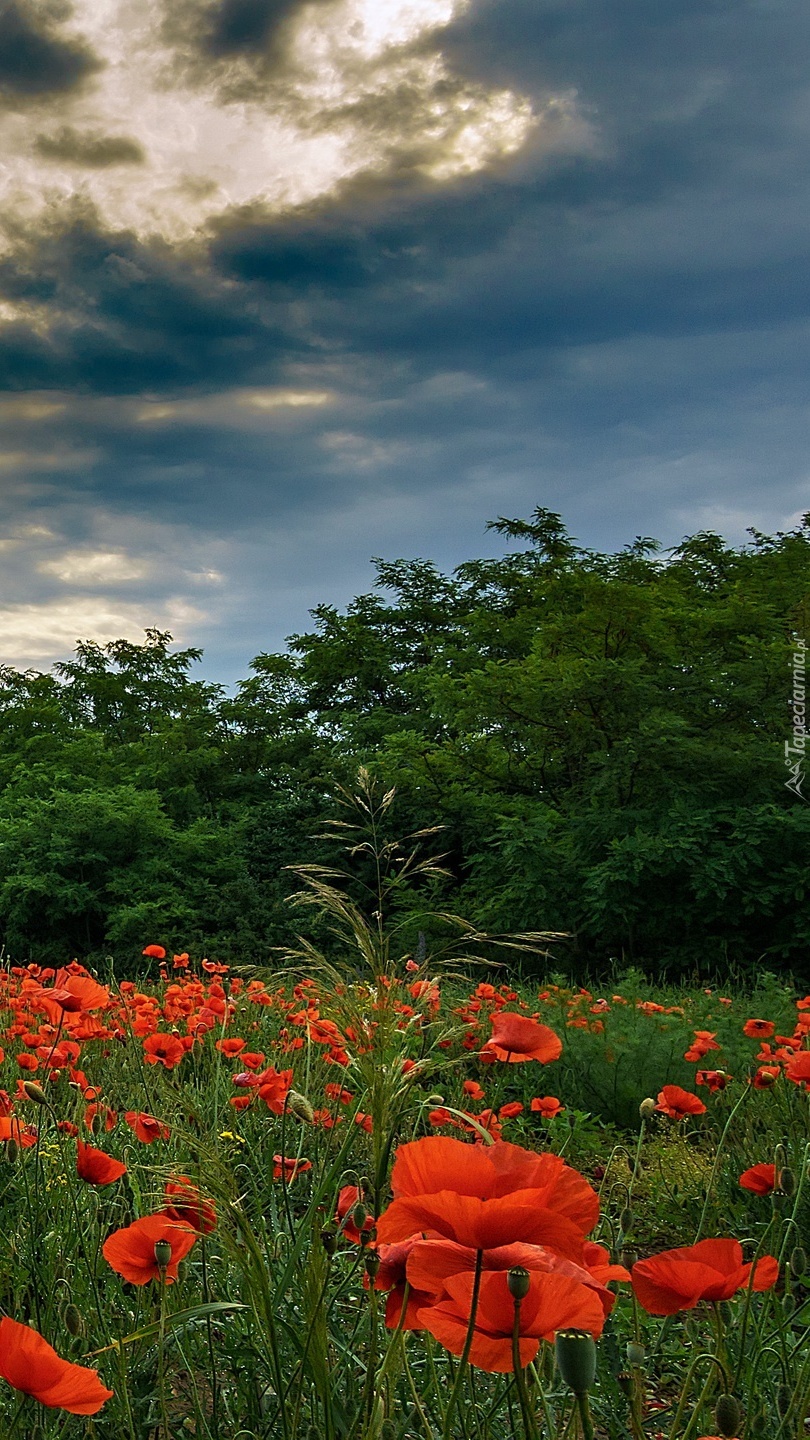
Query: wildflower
{"x": 517, "y": 1037}
{"x": 131, "y": 1251}
{"x": 348, "y": 1201}
{"x": 231, "y": 1045}
{"x": 186, "y": 1205}
{"x": 678, "y": 1103}
{"x": 546, "y": 1105}
{"x": 711, "y": 1270}
{"x": 760, "y": 1179}
{"x": 147, "y": 1129}
{"x": 766, "y": 1077}
{"x": 487, "y": 1196}
{"x": 166, "y": 1050}
{"x": 798, "y": 1068}
{"x": 96, "y": 1167}
{"x": 510, "y": 1110}
{"x": 472, "y": 1089}
{"x": 714, "y": 1080}
{"x": 155, "y": 952}
{"x": 554, "y": 1302}
{"x": 31, "y": 1365}
{"x": 289, "y": 1168}
{"x": 759, "y": 1029}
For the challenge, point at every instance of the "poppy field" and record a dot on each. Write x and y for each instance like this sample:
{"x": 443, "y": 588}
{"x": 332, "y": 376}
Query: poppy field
{"x": 406, "y": 1197}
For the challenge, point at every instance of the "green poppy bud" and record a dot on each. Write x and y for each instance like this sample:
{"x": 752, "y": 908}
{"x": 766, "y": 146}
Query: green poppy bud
{"x": 646, "y": 1108}
{"x": 74, "y": 1323}
{"x": 727, "y": 1415}
{"x": 12, "y": 1150}
{"x": 798, "y": 1261}
{"x": 576, "y": 1359}
{"x": 35, "y": 1092}
{"x": 298, "y": 1105}
{"x": 359, "y": 1215}
{"x": 626, "y": 1221}
{"x": 519, "y": 1281}
{"x": 784, "y": 1397}
{"x": 163, "y": 1254}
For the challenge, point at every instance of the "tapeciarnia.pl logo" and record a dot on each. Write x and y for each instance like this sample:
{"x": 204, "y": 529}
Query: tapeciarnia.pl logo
{"x": 796, "y": 746}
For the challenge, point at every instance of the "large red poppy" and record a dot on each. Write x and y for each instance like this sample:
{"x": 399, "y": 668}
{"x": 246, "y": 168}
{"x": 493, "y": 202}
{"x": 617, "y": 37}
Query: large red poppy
{"x": 761, "y": 1179}
{"x": 96, "y": 1167}
{"x": 485, "y": 1197}
{"x": 711, "y": 1270}
{"x": 31, "y": 1365}
{"x": 553, "y": 1302}
{"x": 161, "y": 1049}
{"x": 131, "y": 1251}
{"x": 517, "y": 1037}
{"x": 678, "y": 1103}
{"x": 430, "y": 1263}
{"x": 146, "y": 1127}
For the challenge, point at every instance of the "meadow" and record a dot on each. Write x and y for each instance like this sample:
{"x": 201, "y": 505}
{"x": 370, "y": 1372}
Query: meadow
{"x": 400, "y": 1194}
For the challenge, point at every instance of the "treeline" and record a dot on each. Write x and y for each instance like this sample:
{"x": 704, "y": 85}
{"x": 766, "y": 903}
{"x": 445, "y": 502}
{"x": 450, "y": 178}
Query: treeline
{"x": 602, "y": 737}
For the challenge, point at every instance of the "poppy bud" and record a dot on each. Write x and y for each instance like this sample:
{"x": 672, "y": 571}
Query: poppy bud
{"x": 298, "y": 1105}
{"x": 371, "y": 1261}
{"x": 784, "y": 1398}
{"x": 35, "y": 1092}
{"x": 435, "y": 1100}
{"x": 787, "y": 1181}
{"x": 12, "y": 1150}
{"x": 636, "y": 1353}
{"x": 74, "y": 1323}
{"x": 576, "y": 1359}
{"x": 519, "y": 1281}
{"x": 95, "y": 1124}
{"x": 55, "y": 1076}
{"x": 798, "y": 1261}
{"x": 359, "y": 1215}
{"x": 626, "y": 1220}
{"x": 328, "y": 1239}
{"x": 163, "y": 1254}
{"x": 727, "y": 1415}
{"x": 766, "y": 1079}
{"x": 646, "y": 1108}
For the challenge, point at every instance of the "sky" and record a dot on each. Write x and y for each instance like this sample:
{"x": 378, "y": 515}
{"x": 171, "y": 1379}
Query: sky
{"x": 287, "y": 286}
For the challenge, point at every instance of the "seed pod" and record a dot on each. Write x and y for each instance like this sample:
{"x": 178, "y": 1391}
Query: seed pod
{"x": 646, "y": 1108}
{"x": 625, "y": 1382}
{"x": 636, "y": 1353}
{"x": 329, "y": 1239}
{"x": 74, "y": 1323}
{"x": 576, "y": 1359}
{"x": 519, "y": 1281}
{"x": 628, "y": 1258}
{"x": 798, "y": 1261}
{"x": 371, "y": 1261}
{"x": 35, "y": 1092}
{"x": 787, "y": 1181}
{"x": 298, "y": 1105}
{"x": 163, "y": 1254}
{"x": 727, "y": 1415}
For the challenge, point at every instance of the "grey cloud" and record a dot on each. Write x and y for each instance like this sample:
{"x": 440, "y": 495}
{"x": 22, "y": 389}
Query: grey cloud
{"x": 36, "y": 62}
{"x": 89, "y": 148}
{"x": 237, "y": 47}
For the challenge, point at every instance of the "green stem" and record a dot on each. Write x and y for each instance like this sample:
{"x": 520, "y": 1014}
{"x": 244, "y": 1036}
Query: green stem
{"x": 584, "y": 1408}
{"x": 520, "y": 1379}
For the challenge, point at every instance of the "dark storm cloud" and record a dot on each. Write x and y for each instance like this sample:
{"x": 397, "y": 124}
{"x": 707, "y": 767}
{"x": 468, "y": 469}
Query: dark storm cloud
{"x": 238, "y": 47}
{"x": 36, "y": 62}
{"x": 89, "y": 148}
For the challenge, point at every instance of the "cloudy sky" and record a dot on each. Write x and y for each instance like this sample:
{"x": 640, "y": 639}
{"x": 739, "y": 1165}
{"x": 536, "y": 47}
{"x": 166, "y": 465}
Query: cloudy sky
{"x": 285, "y": 286}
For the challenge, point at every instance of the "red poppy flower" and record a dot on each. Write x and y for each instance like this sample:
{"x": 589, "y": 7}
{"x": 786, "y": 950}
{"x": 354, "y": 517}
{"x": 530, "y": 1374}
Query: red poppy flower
{"x": 678, "y": 1103}
{"x": 766, "y": 1077}
{"x": 798, "y": 1068}
{"x": 155, "y": 952}
{"x": 761, "y": 1179}
{"x": 231, "y": 1045}
{"x": 431, "y": 1262}
{"x": 546, "y": 1105}
{"x": 186, "y": 1204}
{"x": 273, "y": 1086}
{"x": 96, "y": 1167}
{"x": 166, "y": 1050}
{"x": 489, "y": 1196}
{"x": 714, "y": 1080}
{"x": 759, "y": 1029}
{"x": 147, "y": 1128}
{"x": 517, "y": 1037}
{"x": 31, "y": 1365}
{"x": 131, "y": 1251}
{"x": 473, "y": 1090}
{"x": 347, "y": 1200}
{"x": 554, "y": 1302}
{"x": 711, "y": 1270}
{"x": 289, "y": 1167}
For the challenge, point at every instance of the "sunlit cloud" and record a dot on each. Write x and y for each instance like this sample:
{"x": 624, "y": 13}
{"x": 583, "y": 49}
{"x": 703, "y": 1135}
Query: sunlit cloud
{"x": 90, "y": 568}
{"x": 361, "y": 87}
{"x": 38, "y": 634}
